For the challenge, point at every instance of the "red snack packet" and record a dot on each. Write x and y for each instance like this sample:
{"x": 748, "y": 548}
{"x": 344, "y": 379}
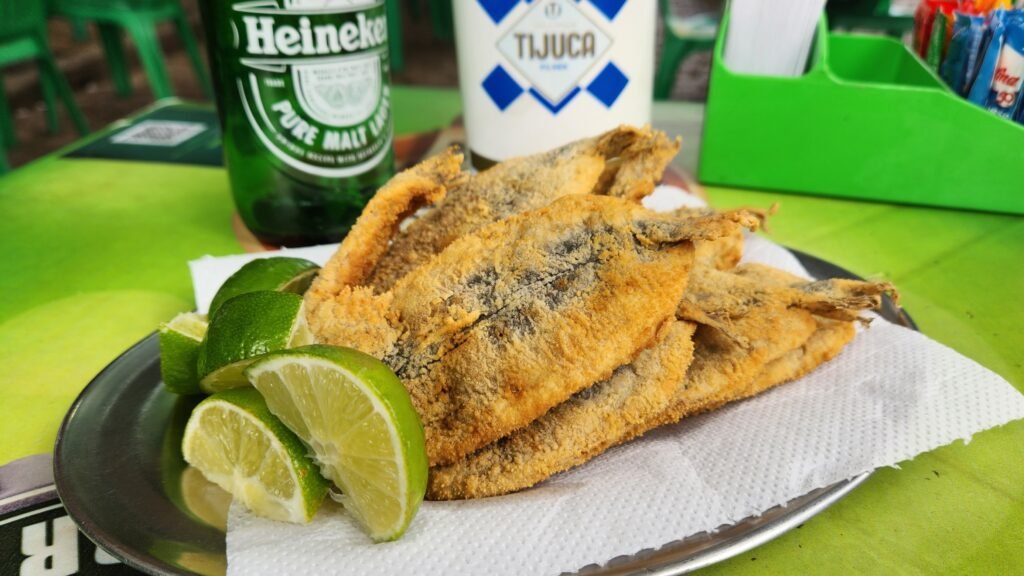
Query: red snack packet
{"x": 924, "y": 19}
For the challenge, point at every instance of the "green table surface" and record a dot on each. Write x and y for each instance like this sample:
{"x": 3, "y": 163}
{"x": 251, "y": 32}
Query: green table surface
{"x": 95, "y": 257}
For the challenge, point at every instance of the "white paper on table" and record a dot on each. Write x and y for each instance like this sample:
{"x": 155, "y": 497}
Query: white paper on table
{"x": 209, "y": 272}
{"x": 889, "y": 396}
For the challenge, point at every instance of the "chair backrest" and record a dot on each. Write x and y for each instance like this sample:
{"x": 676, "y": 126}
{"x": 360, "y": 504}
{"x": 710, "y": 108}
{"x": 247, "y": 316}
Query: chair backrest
{"x": 19, "y": 17}
{"x": 666, "y": 10}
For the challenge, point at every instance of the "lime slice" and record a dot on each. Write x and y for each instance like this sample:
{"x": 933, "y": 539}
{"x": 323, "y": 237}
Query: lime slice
{"x": 278, "y": 274}
{"x": 179, "y": 352}
{"x": 245, "y": 327}
{"x": 234, "y": 440}
{"x": 205, "y": 500}
{"x": 357, "y": 417}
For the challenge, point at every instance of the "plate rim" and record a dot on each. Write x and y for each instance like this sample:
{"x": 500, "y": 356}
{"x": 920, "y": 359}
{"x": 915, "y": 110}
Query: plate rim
{"x": 128, "y": 556}
{"x": 816, "y": 501}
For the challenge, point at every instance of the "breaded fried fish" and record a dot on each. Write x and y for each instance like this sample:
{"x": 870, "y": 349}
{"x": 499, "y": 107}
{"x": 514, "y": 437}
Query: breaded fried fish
{"x": 625, "y": 162}
{"x": 760, "y": 326}
{"x": 370, "y": 238}
{"x": 515, "y": 318}
{"x": 576, "y": 430}
{"x": 741, "y": 352}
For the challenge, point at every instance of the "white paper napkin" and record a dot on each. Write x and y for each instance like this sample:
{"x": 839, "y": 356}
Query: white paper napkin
{"x": 771, "y": 38}
{"x": 209, "y": 272}
{"x": 890, "y": 395}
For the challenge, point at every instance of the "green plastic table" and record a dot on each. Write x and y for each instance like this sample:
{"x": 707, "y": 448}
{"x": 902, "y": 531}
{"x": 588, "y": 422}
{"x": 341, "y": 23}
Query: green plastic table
{"x": 95, "y": 257}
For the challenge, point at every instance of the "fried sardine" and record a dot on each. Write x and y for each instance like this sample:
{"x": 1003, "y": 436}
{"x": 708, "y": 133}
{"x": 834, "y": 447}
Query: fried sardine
{"x": 759, "y": 327}
{"x": 759, "y": 330}
{"x": 515, "y": 318}
{"x": 576, "y": 430}
{"x": 625, "y": 162}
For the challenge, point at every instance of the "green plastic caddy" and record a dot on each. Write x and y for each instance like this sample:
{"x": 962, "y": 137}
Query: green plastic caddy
{"x": 868, "y": 120}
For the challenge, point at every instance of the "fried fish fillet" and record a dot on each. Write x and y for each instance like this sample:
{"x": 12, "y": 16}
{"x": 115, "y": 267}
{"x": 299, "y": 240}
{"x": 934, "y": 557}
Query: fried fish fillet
{"x": 744, "y": 356}
{"x": 370, "y": 238}
{"x": 836, "y": 298}
{"x": 754, "y": 322}
{"x": 625, "y": 162}
{"x": 515, "y": 318}
{"x": 576, "y": 430}
{"x": 830, "y": 337}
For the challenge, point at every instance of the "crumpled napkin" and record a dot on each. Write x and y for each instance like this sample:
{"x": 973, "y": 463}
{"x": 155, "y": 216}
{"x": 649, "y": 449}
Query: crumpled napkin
{"x": 890, "y": 395}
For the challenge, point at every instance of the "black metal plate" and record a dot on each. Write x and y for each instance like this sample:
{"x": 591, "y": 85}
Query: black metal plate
{"x": 118, "y": 470}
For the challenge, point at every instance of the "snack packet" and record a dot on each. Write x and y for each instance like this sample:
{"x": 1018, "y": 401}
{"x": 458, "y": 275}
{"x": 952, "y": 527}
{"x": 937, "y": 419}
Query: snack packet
{"x": 938, "y": 40}
{"x": 961, "y": 60}
{"x": 974, "y": 51}
{"x": 1004, "y": 97}
{"x": 998, "y": 84}
{"x": 924, "y": 20}
{"x": 986, "y": 6}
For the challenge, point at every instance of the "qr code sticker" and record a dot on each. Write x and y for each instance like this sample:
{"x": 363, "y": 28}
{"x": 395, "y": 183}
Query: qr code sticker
{"x": 159, "y": 133}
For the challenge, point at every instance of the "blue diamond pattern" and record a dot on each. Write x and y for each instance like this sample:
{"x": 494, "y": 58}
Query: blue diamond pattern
{"x": 608, "y": 84}
{"x": 501, "y": 87}
{"x": 497, "y": 9}
{"x": 610, "y": 8}
{"x": 554, "y": 107}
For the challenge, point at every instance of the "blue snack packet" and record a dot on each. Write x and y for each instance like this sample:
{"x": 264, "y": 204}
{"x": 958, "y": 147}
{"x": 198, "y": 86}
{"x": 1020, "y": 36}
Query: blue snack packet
{"x": 982, "y": 85}
{"x": 961, "y": 61}
{"x": 972, "y": 58}
{"x": 1003, "y": 93}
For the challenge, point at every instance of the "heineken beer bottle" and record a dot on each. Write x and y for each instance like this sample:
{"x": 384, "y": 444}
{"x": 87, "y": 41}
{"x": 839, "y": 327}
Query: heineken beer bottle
{"x": 536, "y": 74}
{"x": 303, "y": 97}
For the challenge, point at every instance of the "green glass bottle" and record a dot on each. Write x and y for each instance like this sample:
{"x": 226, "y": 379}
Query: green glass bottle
{"x": 303, "y": 92}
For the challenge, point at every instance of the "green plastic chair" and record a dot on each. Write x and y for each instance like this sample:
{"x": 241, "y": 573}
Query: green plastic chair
{"x": 23, "y": 36}
{"x": 139, "y": 18}
{"x": 442, "y": 19}
{"x": 682, "y": 36}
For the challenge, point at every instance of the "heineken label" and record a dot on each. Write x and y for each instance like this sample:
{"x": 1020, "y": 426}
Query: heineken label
{"x": 312, "y": 80}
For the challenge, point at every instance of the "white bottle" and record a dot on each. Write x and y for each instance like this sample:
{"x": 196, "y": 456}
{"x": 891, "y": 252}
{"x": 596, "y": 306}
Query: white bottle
{"x": 536, "y": 74}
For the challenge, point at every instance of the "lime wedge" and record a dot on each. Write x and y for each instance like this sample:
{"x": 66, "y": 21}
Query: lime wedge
{"x": 245, "y": 327}
{"x": 205, "y": 500}
{"x": 234, "y": 440}
{"x": 179, "y": 352}
{"x": 356, "y": 416}
{"x": 278, "y": 274}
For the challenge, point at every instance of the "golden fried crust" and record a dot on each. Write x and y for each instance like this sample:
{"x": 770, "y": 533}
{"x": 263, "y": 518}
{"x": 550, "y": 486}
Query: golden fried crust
{"x": 744, "y": 324}
{"x": 625, "y": 162}
{"x": 512, "y": 320}
{"x": 635, "y": 161}
{"x": 363, "y": 247}
{"x": 721, "y": 254}
{"x": 354, "y": 317}
{"x": 723, "y": 362}
{"x": 836, "y": 298}
{"x": 760, "y": 326}
{"x": 515, "y": 318}
{"x": 576, "y": 430}
{"x": 828, "y": 340}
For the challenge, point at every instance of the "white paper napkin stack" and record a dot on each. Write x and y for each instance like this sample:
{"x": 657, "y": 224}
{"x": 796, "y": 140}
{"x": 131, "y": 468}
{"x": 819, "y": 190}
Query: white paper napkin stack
{"x": 771, "y": 38}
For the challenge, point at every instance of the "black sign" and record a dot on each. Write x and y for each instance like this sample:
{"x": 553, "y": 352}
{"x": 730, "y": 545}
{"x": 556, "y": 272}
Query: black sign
{"x": 174, "y": 133}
